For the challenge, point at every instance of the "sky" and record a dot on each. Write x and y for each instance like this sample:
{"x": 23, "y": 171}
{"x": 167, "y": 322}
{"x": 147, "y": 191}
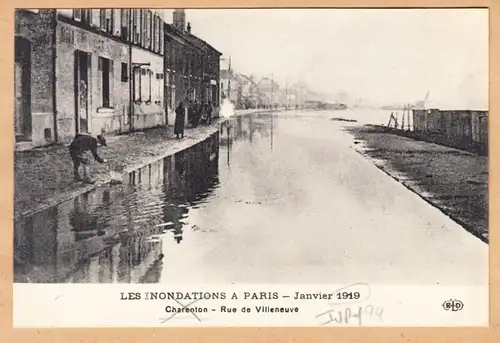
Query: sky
{"x": 384, "y": 56}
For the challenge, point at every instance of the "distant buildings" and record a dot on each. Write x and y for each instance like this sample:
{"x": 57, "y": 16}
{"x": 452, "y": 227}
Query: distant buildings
{"x": 246, "y": 92}
{"x": 104, "y": 70}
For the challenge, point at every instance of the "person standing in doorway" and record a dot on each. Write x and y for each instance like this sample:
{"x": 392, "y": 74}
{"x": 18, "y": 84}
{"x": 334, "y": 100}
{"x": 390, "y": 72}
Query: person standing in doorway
{"x": 209, "y": 113}
{"x": 179, "y": 120}
{"x": 79, "y": 148}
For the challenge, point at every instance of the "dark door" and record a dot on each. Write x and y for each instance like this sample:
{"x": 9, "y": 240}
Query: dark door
{"x": 82, "y": 68}
{"x": 22, "y": 90}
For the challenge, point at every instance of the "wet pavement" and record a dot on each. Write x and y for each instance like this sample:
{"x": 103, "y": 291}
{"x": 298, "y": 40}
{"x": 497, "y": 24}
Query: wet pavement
{"x": 271, "y": 199}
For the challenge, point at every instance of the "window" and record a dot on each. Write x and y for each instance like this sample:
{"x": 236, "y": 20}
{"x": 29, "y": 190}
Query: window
{"x": 143, "y": 27}
{"x": 96, "y": 18}
{"x": 154, "y": 35}
{"x": 125, "y": 23}
{"x": 169, "y": 90}
{"x": 86, "y": 16}
{"x": 161, "y": 33}
{"x": 150, "y": 30}
{"x": 124, "y": 76}
{"x": 136, "y": 18}
{"x": 146, "y": 85}
{"x": 117, "y": 21}
{"x": 102, "y": 17}
{"x": 159, "y": 88}
{"x": 150, "y": 84}
{"x": 106, "y": 74}
{"x": 109, "y": 20}
{"x": 172, "y": 99}
{"x": 157, "y": 34}
{"x": 77, "y": 14}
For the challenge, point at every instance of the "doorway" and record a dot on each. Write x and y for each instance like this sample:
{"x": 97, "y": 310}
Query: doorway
{"x": 22, "y": 90}
{"x": 82, "y": 71}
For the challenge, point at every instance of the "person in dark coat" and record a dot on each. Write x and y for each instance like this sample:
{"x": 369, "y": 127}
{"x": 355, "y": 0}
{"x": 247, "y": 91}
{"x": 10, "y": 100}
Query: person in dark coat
{"x": 191, "y": 114}
{"x": 196, "y": 114}
{"x": 209, "y": 110}
{"x": 179, "y": 120}
{"x": 79, "y": 148}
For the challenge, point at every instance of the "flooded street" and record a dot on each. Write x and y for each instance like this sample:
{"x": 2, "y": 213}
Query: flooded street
{"x": 269, "y": 199}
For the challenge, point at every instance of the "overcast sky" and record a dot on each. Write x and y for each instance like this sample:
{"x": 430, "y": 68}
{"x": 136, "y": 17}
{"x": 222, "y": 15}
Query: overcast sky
{"x": 382, "y": 55}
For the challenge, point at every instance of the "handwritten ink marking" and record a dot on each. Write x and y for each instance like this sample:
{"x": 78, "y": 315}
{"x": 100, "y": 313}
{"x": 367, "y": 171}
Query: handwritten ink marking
{"x": 164, "y": 320}
{"x": 346, "y": 315}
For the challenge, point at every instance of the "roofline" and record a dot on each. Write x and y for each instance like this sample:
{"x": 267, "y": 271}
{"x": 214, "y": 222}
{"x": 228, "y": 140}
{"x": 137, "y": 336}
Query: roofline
{"x": 186, "y": 36}
{"x": 177, "y": 35}
{"x": 205, "y": 43}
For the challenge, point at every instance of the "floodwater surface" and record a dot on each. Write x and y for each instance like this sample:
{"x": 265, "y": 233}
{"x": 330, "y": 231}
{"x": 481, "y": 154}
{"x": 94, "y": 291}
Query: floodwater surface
{"x": 268, "y": 199}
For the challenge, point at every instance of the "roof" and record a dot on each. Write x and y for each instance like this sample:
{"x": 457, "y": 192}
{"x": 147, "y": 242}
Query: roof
{"x": 200, "y": 42}
{"x": 246, "y": 78}
{"x": 268, "y": 82}
{"x": 190, "y": 38}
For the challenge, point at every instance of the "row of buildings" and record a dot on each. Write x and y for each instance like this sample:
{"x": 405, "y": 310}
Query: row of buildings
{"x": 105, "y": 70}
{"x": 248, "y": 92}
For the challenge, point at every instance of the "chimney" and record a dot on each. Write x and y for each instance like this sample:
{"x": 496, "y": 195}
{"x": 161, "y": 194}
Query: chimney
{"x": 189, "y": 28}
{"x": 180, "y": 20}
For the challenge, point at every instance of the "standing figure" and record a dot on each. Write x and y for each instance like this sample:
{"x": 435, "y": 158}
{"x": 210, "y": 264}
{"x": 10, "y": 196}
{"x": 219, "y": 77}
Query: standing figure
{"x": 78, "y": 150}
{"x": 179, "y": 120}
{"x": 203, "y": 110}
{"x": 209, "y": 113}
{"x": 191, "y": 113}
{"x": 197, "y": 114}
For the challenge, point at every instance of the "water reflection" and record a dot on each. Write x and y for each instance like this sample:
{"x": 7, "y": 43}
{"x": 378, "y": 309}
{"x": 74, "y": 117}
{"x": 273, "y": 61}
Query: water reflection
{"x": 118, "y": 234}
{"x": 246, "y": 128}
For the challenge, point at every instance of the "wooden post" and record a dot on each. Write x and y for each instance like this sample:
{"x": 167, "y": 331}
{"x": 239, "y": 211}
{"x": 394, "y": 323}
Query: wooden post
{"x": 403, "y": 118}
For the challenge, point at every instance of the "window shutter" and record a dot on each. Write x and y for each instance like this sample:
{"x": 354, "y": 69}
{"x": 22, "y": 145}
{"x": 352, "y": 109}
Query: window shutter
{"x": 103, "y": 19}
{"x": 117, "y": 21}
{"x": 150, "y": 78}
{"x": 99, "y": 79}
{"x": 162, "y": 37}
{"x": 150, "y": 30}
{"x": 153, "y": 35}
{"x": 109, "y": 20}
{"x": 111, "y": 83}
{"x": 137, "y": 84}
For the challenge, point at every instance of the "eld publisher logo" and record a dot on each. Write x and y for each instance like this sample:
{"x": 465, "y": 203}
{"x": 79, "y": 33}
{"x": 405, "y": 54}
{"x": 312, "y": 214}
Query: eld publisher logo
{"x": 453, "y": 305}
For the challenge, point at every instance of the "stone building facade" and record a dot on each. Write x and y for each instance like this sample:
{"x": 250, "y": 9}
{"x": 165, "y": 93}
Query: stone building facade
{"x": 105, "y": 70}
{"x": 34, "y": 76}
{"x": 191, "y": 67}
{"x": 87, "y": 71}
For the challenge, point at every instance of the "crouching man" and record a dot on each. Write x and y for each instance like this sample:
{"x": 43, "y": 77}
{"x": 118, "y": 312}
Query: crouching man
{"x": 78, "y": 149}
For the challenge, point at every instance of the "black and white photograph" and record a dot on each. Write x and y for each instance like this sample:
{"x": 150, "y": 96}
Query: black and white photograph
{"x": 161, "y": 149}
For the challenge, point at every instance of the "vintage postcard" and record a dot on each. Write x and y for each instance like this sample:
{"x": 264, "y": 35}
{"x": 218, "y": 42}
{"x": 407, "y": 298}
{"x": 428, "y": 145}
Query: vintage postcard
{"x": 251, "y": 167}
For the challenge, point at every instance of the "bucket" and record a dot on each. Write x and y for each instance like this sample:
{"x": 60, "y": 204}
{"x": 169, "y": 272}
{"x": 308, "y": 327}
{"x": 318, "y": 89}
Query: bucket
{"x": 116, "y": 176}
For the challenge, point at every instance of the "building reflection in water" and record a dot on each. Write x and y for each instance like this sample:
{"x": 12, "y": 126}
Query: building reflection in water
{"x": 246, "y": 128}
{"x": 115, "y": 234}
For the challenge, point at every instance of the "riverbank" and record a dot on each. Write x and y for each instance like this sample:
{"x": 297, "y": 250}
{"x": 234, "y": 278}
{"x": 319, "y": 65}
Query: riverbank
{"x": 454, "y": 181}
{"x": 44, "y": 177}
